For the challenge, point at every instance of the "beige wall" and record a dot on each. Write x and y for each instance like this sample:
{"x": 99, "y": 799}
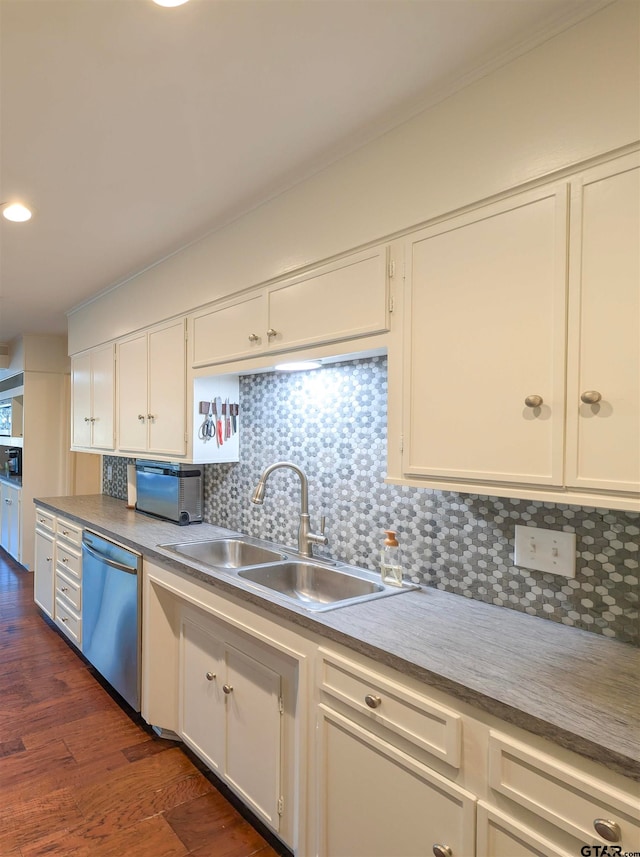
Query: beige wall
{"x": 574, "y": 97}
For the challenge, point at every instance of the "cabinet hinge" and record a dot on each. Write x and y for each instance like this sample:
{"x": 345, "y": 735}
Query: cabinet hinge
{"x": 280, "y": 806}
{"x": 390, "y": 304}
{"x": 401, "y": 443}
{"x": 281, "y": 705}
{"x": 392, "y": 268}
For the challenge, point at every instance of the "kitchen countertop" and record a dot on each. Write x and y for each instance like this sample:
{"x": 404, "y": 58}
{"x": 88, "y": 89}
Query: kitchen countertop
{"x": 574, "y": 687}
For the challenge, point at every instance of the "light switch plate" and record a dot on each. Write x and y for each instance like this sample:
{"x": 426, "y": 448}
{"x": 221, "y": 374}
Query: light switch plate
{"x": 546, "y": 550}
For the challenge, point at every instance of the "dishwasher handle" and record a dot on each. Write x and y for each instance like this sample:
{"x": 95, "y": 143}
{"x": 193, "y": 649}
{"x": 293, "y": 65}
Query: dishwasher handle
{"x": 110, "y": 562}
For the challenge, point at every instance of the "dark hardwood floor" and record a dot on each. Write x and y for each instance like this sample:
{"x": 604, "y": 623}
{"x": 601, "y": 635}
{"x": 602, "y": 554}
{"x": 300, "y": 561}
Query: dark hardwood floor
{"x": 79, "y": 776}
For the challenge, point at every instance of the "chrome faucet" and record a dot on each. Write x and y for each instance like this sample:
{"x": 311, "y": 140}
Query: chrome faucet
{"x": 305, "y": 537}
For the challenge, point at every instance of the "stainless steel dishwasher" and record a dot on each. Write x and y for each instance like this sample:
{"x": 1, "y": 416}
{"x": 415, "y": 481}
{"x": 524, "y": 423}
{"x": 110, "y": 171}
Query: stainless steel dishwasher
{"x": 111, "y": 613}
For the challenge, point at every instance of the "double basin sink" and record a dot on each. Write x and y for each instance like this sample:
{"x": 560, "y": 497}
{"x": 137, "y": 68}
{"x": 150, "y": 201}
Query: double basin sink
{"x": 310, "y": 583}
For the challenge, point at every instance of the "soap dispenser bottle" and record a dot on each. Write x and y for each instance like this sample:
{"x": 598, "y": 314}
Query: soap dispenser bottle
{"x": 391, "y": 560}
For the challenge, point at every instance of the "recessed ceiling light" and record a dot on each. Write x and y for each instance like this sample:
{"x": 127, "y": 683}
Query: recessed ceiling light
{"x": 169, "y": 2}
{"x": 17, "y": 212}
{"x": 300, "y": 366}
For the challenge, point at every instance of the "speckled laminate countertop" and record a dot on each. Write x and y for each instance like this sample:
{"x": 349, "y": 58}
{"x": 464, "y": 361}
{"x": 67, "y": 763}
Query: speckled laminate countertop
{"x": 574, "y": 687}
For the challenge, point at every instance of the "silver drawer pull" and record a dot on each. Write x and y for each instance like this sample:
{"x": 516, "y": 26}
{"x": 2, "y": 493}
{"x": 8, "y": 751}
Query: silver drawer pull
{"x": 210, "y": 676}
{"x": 373, "y": 701}
{"x": 442, "y": 851}
{"x": 253, "y": 337}
{"x": 271, "y": 333}
{"x": 49, "y": 558}
{"x": 227, "y": 688}
{"x": 65, "y": 559}
{"x": 63, "y": 619}
{"x": 533, "y": 401}
{"x": 64, "y": 589}
{"x": 609, "y": 830}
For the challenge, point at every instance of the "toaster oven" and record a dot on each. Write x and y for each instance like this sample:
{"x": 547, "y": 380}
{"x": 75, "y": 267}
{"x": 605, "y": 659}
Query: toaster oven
{"x": 170, "y": 491}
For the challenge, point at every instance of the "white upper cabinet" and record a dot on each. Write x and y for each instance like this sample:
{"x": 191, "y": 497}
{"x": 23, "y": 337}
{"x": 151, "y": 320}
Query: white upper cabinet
{"x": 344, "y": 299}
{"x": 485, "y": 333}
{"x": 152, "y": 391}
{"x": 93, "y": 397}
{"x": 505, "y": 392}
{"x": 603, "y": 412}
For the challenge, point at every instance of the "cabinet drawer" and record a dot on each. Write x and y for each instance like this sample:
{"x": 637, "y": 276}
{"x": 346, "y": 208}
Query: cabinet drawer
{"x": 414, "y": 717}
{"x": 68, "y": 590}
{"x": 69, "y": 559}
{"x": 71, "y": 533}
{"x": 501, "y": 836}
{"x": 69, "y": 621}
{"x": 45, "y": 520}
{"x": 565, "y": 796}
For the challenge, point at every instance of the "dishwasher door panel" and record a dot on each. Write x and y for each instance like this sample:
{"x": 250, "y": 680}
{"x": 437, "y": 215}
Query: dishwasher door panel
{"x": 111, "y": 616}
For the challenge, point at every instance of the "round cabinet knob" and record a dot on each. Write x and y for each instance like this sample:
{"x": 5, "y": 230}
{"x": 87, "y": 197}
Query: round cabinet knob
{"x": 372, "y": 700}
{"x": 533, "y": 401}
{"x": 64, "y": 589}
{"x": 65, "y": 559}
{"x": 87, "y": 419}
{"x": 210, "y": 676}
{"x": 63, "y": 619}
{"x": 227, "y": 688}
{"x": 609, "y": 830}
{"x": 442, "y": 851}
{"x": 151, "y": 416}
{"x": 253, "y": 337}
{"x": 271, "y": 333}
{"x": 49, "y": 558}
{"x": 141, "y": 417}
{"x": 65, "y": 532}
{"x": 591, "y": 397}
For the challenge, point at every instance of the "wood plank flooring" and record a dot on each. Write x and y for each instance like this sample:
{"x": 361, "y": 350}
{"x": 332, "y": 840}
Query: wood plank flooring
{"x": 79, "y": 776}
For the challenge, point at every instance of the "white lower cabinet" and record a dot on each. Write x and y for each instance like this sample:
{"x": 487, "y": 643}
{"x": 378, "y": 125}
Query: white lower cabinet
{"x": 502, "y": 836}
{"x": 58, "y": 572}
{"x": 364, "y": 761}
{"x": 378, "y": 801}
{"x": 10, "y": 497}
{"x": 43, "y": 570}
{"x": 404, "y": 770}
{"x": 231, "y": 707}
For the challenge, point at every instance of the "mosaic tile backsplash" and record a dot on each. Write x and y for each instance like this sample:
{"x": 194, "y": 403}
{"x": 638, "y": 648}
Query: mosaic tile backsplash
{"x": 332, "y": 423}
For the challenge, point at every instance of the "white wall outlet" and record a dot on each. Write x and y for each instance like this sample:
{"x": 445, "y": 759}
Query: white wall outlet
{"x": 109, "y": 472}
{"x": 546, "y": 550}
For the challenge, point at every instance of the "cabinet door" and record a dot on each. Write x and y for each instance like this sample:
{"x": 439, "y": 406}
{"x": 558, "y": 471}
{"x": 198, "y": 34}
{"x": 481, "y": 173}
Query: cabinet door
{"x": 202, "y": 701}
{"x": 253, "y": 744}
{"x": 103, "y": 393}
{"x": 603, "y": 450}
{"x": 231, "y": 331}
{"x": 81, "y": 400}
{"x": 167, "y": 390}
{"x": 501, "y": 836}
{"x": 10, "y": 520}
{"x": 485, "y": 331}
{"x": 132, "y": 394}
{"x": 15, "y": 522}
{"x": 345, "y": 299}
{"x": 377, "y": 801}
{"x": 43, "y": 570}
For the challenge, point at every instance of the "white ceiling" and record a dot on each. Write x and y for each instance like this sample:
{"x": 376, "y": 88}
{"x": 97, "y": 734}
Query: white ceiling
{"x": 134, "y": 129}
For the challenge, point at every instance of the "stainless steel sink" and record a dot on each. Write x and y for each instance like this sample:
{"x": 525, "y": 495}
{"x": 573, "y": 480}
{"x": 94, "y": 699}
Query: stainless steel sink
{"x": 226, "y": 553}
{"x": 319, "y": 587}
{"x": 312, "y": 585}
